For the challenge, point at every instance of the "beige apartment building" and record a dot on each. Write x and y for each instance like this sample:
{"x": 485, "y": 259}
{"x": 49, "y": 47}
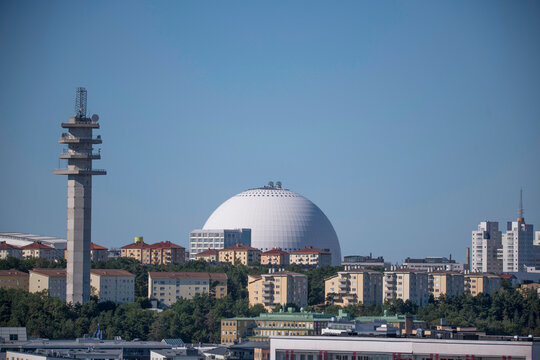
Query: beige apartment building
{"x": 279, "y": 288}
{"x": 476, "y": 283}
{"x": 353, "y": 287}
{"x": 406, "y": 284}
{"x": 113, "y": 285}
{"x": 449, "y": 283}
{"x": 210, "y": 255}
{"x": 312, "y": 257}
{"x": 275, "y": 256}
{"x": 167, "y": 287}
{"x": 39, "y": 250}
{"x": 240, "y": 253}
{"x": 7, "y": 250}
{"x": 161, "y": 253}
{"x": 51, "y": 280}
{"x": 13, "y": 279}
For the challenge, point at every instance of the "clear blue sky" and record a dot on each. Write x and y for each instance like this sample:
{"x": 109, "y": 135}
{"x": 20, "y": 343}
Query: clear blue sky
{"x": 407, "y": 123}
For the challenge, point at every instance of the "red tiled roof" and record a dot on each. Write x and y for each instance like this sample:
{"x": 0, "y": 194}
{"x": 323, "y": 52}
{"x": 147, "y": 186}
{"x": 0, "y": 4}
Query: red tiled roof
{"x": 309, "y": 250}
{"x": 111, "y": 272}
{"x": 51, "y": 272}
{"x": 5, "y": 246}
{"x": 508, "y": 276}
{"x": 97, "y": 247}
{"x": 276, "y": 251}
{"x": 239, "y": 247}
{"x": 12, "y": 272}
{"x": 140, "y": 245}
{"x": 166, "y": 245}
{"x": 187, "y": 275}
{"x": 37, "y": 245}
{"x": 208, "y": 252}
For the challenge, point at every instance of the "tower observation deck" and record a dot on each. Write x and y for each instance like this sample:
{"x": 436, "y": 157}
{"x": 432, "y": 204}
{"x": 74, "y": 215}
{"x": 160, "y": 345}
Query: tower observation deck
{"x": 79, "y": 154}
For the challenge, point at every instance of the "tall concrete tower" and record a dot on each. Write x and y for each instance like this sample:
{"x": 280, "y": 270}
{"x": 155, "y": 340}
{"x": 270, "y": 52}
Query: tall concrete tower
{"x": 79, "y": 154}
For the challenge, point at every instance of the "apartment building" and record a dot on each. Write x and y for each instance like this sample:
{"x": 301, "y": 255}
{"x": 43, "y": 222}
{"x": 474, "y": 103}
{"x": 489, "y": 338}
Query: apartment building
{"x": 240, "y": 253}
{"x": 275, "y": 256}
{"x": 486, "y": 242}
{"x": 433, "y": 263}
{"x": 161, "y": 253}
{"x": 311, "y": 257}
{"x": 134, "y": 250}
{"x": 165, "y": 253}
{"x": 7, "y": 250}
{"x": 279, "y": 288}
{"x": 13, "y": 279}
{"x": 51, "y": 280}
{"x": 97, "y": 253}
{"x": 113, "y": 285}
{"x": 39, "y": 250}
{"x": 285, "y": 323}
{"x": 210, "y": 255}
{"x": 351, "y": 262}
{"x": 354, "y": 286}
{"x": 449, "y": 283}
{"x": 406, "y": 284}
{"x": 167, "y": 287}
{"x": 202, "y": 239}
{"x": 518, "y": 246}
{"x": 476, "y": 283}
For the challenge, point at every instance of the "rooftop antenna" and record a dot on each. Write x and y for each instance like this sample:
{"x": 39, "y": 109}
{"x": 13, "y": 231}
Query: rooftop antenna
{"x": 80, "y": 103}
{"x": 520, "y": 210}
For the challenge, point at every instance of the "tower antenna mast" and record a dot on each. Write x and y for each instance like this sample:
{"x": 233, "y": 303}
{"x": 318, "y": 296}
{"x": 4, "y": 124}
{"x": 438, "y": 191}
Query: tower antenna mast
{"x": 80, "y": 103}
{"x": 520, "y": 210}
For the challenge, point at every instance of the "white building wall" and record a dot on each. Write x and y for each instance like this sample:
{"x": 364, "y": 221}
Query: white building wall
{"x": 485, "y": 243}
{"x": 518, "y": 249}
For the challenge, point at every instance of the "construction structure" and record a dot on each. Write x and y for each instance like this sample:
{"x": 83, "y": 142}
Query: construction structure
{"x": 79, "y": 155}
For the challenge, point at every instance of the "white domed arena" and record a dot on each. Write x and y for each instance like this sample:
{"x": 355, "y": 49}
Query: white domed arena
{"x": 279, "y": 218}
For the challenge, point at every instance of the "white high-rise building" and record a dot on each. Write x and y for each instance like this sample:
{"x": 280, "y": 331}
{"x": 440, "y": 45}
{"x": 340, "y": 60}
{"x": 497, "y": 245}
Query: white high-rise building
{"x": 485, "y": 242}
{"x": 204, "y": 239}
{"x": 519, "y": 251}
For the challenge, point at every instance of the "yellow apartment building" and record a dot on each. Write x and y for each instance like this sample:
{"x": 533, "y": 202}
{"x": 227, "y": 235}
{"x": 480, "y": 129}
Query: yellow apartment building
{"x": 52, "y": 280}
{"x": 354, "y": 286}
{"x": 449, "y": 283}
{"x": 279, "y": 288}
{"x": 39, "y": 250}
{"x": 275, "y": 256}
{"x": 210, "y": 255}
{"x": 406, "y": 284}
{"x": 161, "y": 253}
{"x": 13, "y": 279}
{"x": 167, "y": 287}
{"x": 476, "y": 283}
{"x": 240, "y": 253}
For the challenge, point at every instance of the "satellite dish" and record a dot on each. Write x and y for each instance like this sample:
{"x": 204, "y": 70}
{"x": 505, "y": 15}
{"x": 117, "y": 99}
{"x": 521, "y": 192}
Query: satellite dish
{"x": 95, "y": 118}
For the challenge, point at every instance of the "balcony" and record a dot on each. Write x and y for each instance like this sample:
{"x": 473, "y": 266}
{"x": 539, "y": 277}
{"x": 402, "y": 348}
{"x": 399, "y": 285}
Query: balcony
{"x": 343, "y": 292}
{"x": 70, "y": 139}
{"x": 267, "y": 283}
{"x": 267, "y": 301}
{"x": 343, "y": 280}
{"x": 79, "y": 171}
{"x": 343, "y": 286}
{"x": 81, "y": 124}
{"x": 75, "y": 155}
{"x": 267, "y": 295}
